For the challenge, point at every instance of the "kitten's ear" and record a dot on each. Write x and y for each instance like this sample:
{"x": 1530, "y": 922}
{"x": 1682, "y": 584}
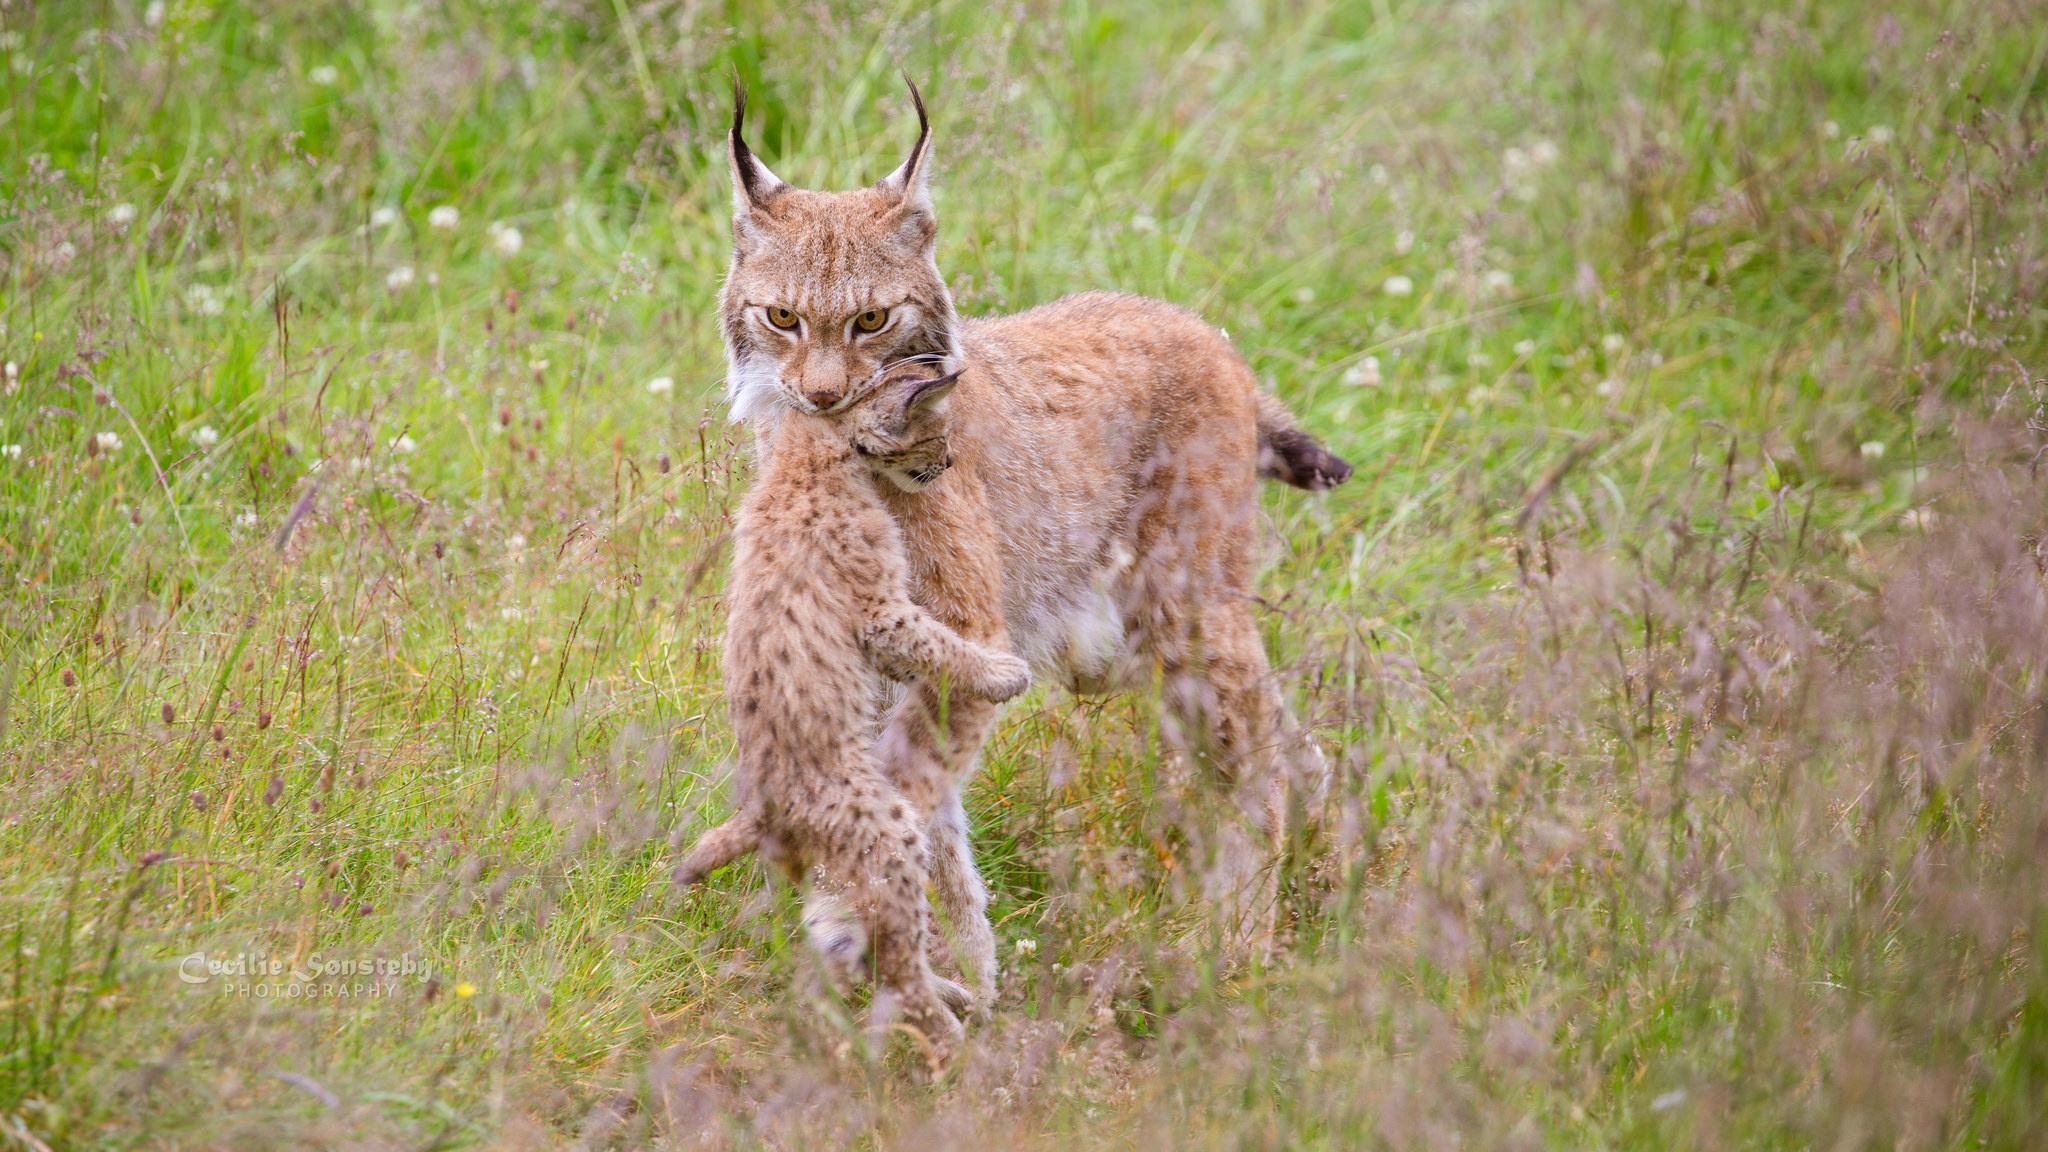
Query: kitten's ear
{"x": 909, "y": 184}
{"x": 928, "y": 393}
{"x": 753, "y": 185}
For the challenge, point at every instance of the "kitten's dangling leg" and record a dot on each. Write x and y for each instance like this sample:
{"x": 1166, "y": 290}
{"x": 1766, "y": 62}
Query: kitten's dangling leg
{"x": 720, "y": 846}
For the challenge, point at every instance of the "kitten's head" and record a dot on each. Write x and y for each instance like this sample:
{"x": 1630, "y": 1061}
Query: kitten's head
{"x": 900, "y": 429}
{"x": 828, "y": 290}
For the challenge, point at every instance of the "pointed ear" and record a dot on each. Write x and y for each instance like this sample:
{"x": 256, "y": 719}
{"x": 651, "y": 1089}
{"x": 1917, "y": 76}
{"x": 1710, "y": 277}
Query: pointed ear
{"x": 929, "y": 392}
{"x": 909, "y": 184}
{"x": 753, "y": 185}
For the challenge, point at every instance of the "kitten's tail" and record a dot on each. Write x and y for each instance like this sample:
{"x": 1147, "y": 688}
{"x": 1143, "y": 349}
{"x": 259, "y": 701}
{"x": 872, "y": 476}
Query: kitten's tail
{"x": 1292, "y": 456}
{"x": 720, "y": 846}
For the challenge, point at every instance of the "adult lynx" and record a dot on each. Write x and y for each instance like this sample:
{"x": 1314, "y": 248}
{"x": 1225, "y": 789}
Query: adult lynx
{"x": 1100, "y": 513}
{"x": 819, "y": 607}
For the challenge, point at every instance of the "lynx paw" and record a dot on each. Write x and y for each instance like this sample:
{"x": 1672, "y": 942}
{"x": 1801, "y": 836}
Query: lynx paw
{"x": 923, "y": 1012}
{"x": 954, "y": 995}
{"x": 1005, "y": 677}
{"x": 837, "y": 935}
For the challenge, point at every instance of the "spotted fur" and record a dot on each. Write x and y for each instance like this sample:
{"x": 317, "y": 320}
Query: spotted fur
{"x": 819, "y": 613}
{"x": 1097, "y": 508}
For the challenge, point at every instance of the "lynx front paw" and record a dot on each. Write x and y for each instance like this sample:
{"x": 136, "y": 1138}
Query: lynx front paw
{"x": 1006, "y": 676}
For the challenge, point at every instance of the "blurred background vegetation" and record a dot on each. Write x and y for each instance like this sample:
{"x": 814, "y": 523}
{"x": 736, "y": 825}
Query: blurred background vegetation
{"x": 1678, "y": 644}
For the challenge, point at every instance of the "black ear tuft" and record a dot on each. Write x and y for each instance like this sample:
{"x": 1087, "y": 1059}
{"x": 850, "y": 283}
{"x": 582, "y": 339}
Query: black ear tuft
{"x": 753, "y": 183}
{"x": 910, "y": 180}
{"x": 924, "y": 122}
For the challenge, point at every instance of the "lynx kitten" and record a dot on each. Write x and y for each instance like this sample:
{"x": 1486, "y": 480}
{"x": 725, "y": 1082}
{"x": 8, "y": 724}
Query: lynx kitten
{"x": 820, "y": 611}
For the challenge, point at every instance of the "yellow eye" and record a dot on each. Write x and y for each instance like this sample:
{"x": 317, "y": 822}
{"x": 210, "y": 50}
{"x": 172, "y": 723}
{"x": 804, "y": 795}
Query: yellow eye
{"x": 870, "y": 320}
{"x": 782, "y": 317}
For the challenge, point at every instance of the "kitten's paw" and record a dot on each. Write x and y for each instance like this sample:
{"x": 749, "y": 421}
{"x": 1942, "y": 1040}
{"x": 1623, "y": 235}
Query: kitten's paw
{"x": 954, "y": 995}
{"x": 923, "y": 1014}
{"x": 838, "y": 937}
{"x": 1006, "y": 676}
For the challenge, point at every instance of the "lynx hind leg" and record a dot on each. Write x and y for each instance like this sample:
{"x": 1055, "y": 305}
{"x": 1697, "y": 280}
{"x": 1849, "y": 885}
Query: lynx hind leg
{"x": 906, "y": 642}
{"x": 871, "y": 851}
{"x": 1221, "y": 698}
{"x": 720, "y": 846}
{"x": 964, "y": 897}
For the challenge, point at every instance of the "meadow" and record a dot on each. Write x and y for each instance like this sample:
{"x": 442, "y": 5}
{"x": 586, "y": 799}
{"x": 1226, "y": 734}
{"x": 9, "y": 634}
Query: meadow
{"x": 1678, "y": 646}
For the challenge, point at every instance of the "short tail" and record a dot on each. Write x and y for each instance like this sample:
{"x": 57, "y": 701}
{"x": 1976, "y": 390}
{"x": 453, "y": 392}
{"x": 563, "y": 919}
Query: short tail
{"x": 1292, "y": 456}
{"x": 720, "y": 846}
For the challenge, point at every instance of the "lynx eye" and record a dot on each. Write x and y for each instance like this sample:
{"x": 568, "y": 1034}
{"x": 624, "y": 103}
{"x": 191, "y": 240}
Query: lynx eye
{"x": 782, "y": 317}
{"x": 871, "y": 320}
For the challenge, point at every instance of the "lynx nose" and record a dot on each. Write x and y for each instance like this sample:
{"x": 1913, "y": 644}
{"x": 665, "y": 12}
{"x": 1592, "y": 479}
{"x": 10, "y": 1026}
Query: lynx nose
{"x": 822, "y": 399}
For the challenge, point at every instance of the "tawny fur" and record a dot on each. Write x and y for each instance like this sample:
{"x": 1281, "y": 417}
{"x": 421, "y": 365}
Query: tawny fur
{"x": 819, "y": 612}
{"x": 1100, "y": 515}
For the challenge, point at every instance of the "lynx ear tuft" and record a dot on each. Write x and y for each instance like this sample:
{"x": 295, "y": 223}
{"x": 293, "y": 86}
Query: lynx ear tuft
{"x": 910, "y": 183}
{"x": 753, "y": 185}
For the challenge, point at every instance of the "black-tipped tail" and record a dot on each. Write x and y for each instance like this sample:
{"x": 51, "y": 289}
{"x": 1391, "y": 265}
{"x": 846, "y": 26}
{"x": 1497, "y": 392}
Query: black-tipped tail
{"x": 1292, "y": 456}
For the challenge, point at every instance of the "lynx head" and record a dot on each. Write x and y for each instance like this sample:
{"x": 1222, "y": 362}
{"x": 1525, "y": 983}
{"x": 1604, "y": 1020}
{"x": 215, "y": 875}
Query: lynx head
{"x": 900, "y": 429}
{"x": 827, "y": 290}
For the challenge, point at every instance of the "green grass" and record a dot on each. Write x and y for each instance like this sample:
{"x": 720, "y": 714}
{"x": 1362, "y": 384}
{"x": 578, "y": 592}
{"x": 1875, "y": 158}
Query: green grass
{"x": 1678, "y": 643}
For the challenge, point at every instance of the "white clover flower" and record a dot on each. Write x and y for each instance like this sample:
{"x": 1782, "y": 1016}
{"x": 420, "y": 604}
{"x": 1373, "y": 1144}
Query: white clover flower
{"x": 108, "y": 441}
{"x": 404, "y": 444}
{"x": 1365, "y": 373}
{"x": 11, "y": 451}
{"x": 205, "y": 299}
{"x": 1479, "y": 360}
{"x": 1304, "y": 295}
{"x": 1398, "y": 286}
{"x": 1027, "y": 947}
{"x": 1377, "y": 173}
{"x": 1881, "y": 134}
{"x": 121, "y": 215}
{"x": 325, "y": 75}
{"x": 383, "y": 217}
{"x": 1515, "y": 161}
{"x": 206, "y": 437}
{"x": 515, "y": 542}
{"x": 1143, "y": 222}
{"x": 512, "y": 614}
{"x": 1830, "y": 129}
{"x": 1609, "y": 388}
{"x": 1498, "y": 282}
{"x": 1525, "y": 348}
{"x": 505, "y": 238}
{"x": 444, "y": 217}
{"x": 661, "y": 385}
{"x": 537, "y": 364}
{"x": 1543, "y": 152}
{"x": 1873, "y": 450}
{"x": 154, "y": 14}
{"x": 1613, "y": 342}
{"x": 246, "y": 520}
{"x": 399, "y": 278}
{"x": 13, "y": 371}
{"x": 1404, "y": 242}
